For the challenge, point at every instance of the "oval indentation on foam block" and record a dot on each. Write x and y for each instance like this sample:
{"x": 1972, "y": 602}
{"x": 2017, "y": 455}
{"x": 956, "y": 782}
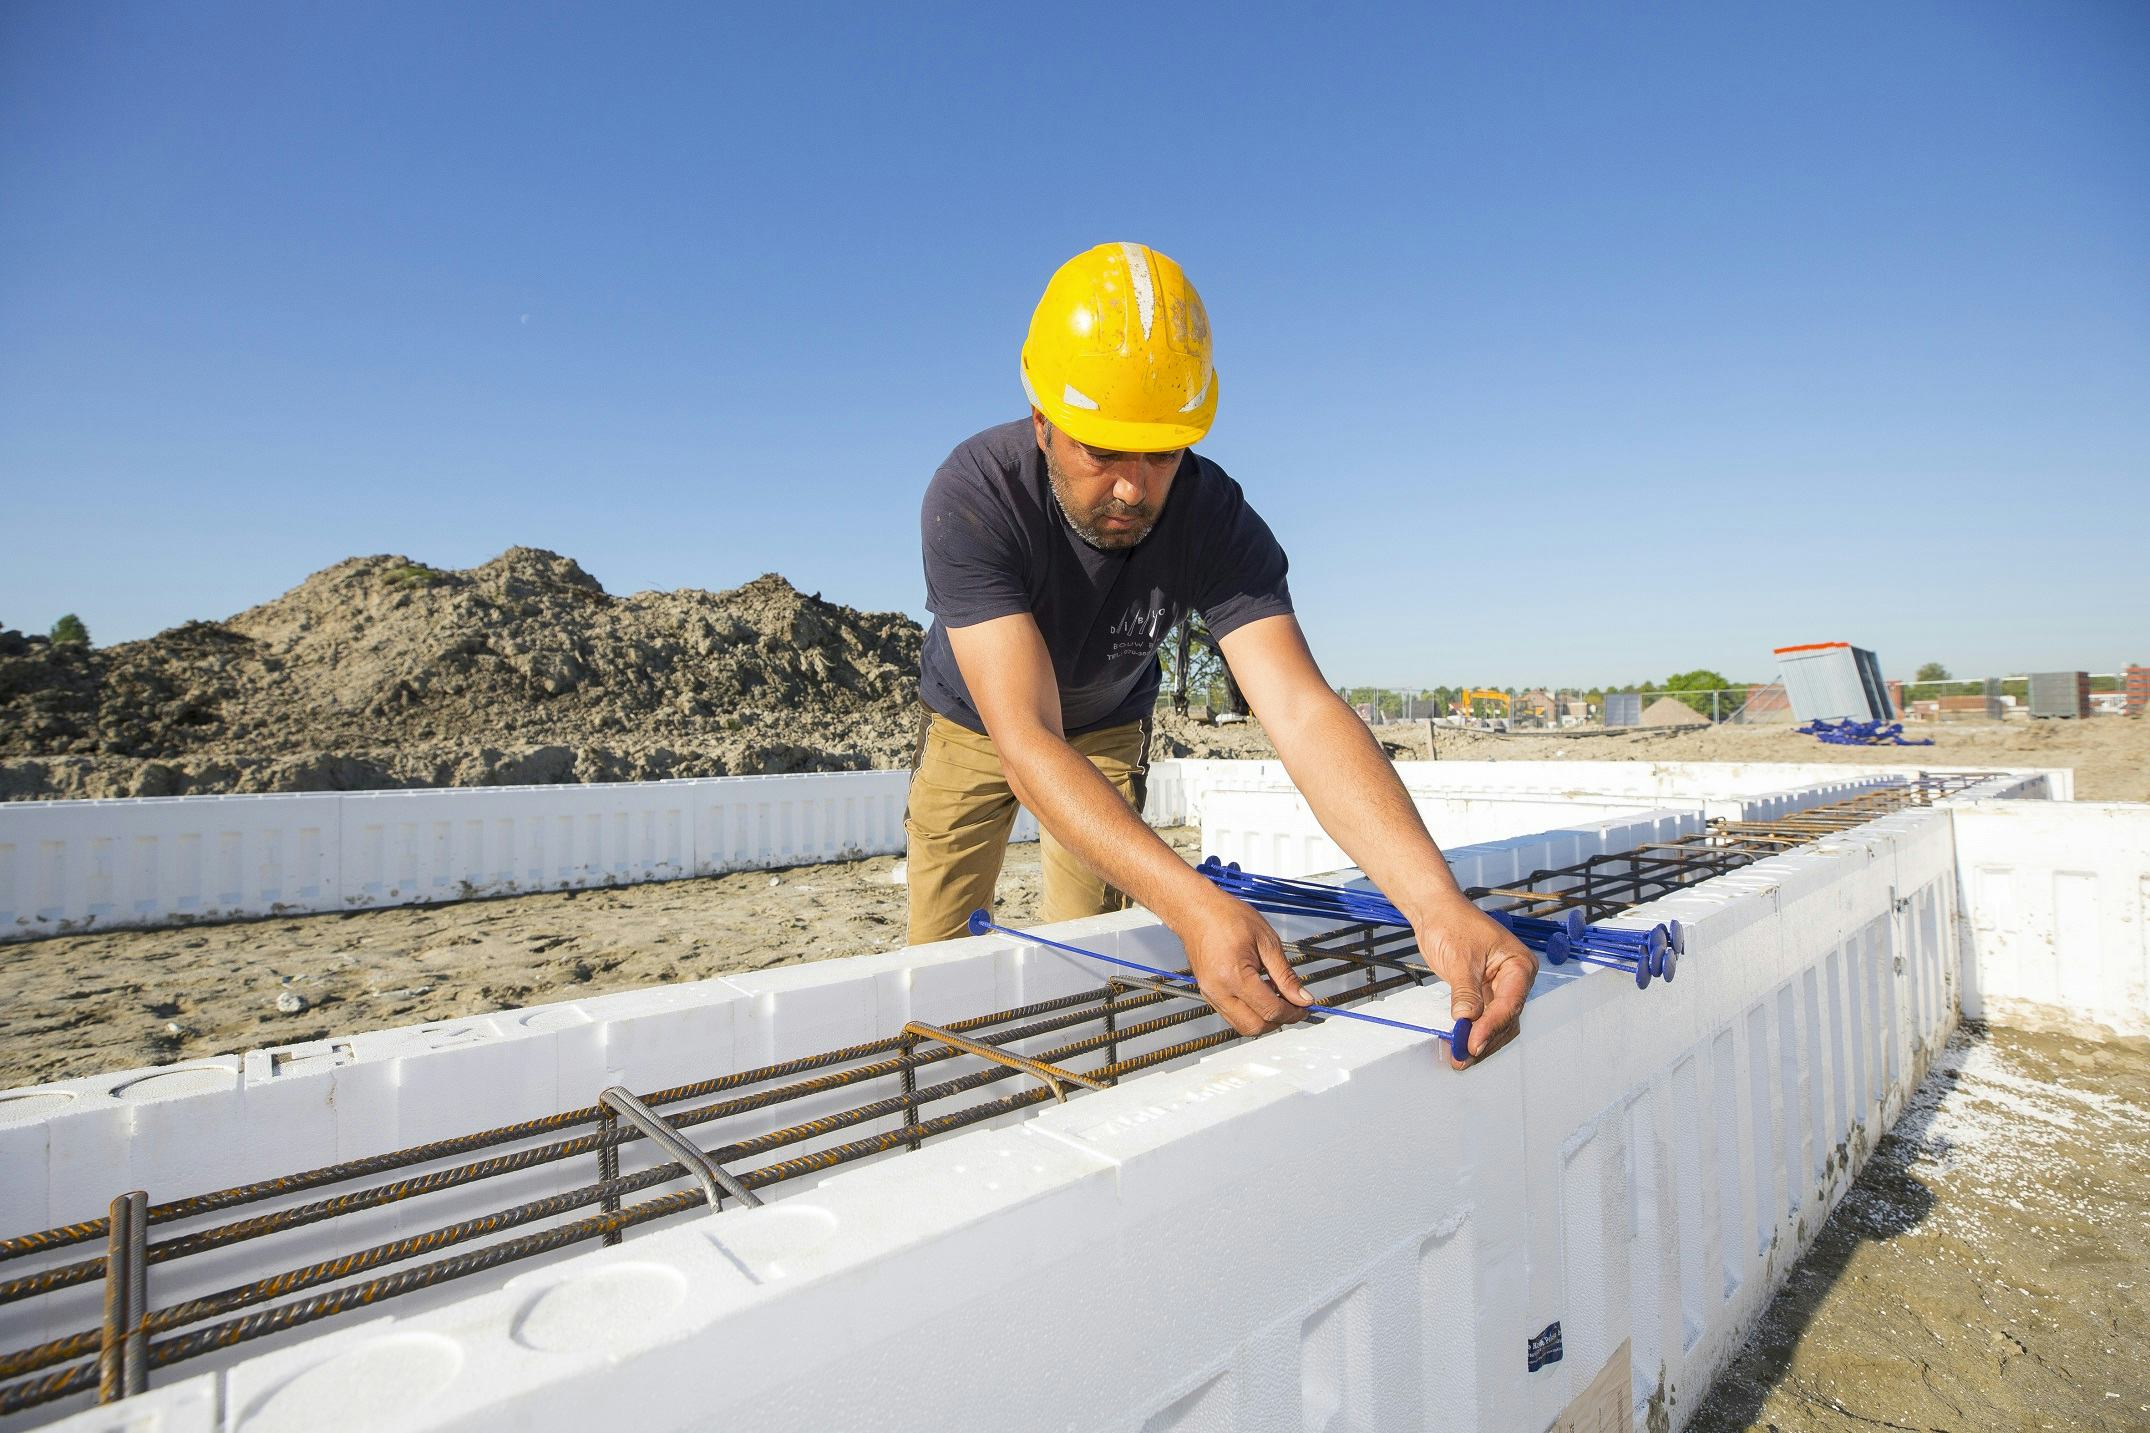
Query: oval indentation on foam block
{"x": 554, "y": 1017}
{"x": 765, "y": 1241}
{"x": 375, "y": 1385}
{"x": 171, "y": 1084}
{"x": 607, "y": 1309}
{"x": 27, "y": 1105}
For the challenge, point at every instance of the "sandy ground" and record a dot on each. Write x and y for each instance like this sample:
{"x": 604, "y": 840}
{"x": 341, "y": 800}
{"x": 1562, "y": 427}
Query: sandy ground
{"x": 79, "y": 1005}
{"x": 1990, "y": 1269}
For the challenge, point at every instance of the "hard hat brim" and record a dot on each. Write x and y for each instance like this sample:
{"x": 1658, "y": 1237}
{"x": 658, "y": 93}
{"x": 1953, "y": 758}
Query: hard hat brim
{"x": 1119, "y": 435}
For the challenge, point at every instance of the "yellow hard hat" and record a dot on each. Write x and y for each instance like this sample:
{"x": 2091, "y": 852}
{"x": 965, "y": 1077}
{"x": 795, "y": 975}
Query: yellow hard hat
{"x": 1118, "y": 355}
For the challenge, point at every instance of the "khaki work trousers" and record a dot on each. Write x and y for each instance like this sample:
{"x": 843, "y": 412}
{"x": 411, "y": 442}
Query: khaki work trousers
{"x": 961, "y": 810}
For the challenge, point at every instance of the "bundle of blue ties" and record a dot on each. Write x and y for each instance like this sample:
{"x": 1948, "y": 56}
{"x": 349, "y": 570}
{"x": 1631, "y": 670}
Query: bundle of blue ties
{"x": 1647, "y": 953}
{"x": 1851, "y": 732}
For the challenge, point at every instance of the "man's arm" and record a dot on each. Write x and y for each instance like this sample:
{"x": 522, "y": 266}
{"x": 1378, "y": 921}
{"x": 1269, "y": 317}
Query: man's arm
{"x": 1356, "y": 795}
{"x": 1230, "y": 947}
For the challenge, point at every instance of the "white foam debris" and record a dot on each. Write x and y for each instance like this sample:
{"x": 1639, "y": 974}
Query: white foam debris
{"x": 1992, "y": 1126}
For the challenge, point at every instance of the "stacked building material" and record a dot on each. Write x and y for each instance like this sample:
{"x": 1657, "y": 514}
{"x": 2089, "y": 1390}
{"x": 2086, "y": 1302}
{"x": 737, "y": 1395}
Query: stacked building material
{"x": 1834, "y": 681}
{"x": 2060, "y": 694}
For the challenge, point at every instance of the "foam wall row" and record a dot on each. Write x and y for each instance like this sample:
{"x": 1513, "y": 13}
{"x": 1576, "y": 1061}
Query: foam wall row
{"x": 81, "y": 865}
{"x": 1661, "y": 783}
{"x": 1273, "y": 830}
{"x": 1324, "y": 1229}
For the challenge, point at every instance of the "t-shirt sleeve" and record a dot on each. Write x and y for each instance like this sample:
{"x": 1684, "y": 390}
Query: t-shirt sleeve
{"x": 974, "y": 558}
{"x": 1243, "y": 566}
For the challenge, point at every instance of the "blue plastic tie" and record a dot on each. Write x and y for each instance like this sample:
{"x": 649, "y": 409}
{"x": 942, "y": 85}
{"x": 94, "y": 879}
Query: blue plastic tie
{"x": 1649, "y": 954}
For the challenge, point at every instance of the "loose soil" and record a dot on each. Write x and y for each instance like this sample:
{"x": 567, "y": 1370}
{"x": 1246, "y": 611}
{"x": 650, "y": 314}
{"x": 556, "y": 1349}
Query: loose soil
{"x": 1989, "y": 1270}
{"x": 83, "y": 1004}
{"x": 381, "y": 672}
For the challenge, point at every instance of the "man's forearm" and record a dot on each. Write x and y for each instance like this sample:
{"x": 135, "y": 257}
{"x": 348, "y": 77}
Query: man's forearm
{"x": 1361, "y": 802}
{"x": 1085, "y": 813}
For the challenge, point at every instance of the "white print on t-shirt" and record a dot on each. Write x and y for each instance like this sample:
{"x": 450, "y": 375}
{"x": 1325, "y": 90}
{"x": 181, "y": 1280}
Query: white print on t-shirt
{"x": 1139, "y": 629}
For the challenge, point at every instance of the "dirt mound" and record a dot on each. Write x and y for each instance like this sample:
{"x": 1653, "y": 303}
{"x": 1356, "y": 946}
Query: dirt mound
{"x": 382, "y": 672}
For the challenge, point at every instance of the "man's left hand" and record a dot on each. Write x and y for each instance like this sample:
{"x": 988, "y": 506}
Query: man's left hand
{"x": 1489, "y": 973}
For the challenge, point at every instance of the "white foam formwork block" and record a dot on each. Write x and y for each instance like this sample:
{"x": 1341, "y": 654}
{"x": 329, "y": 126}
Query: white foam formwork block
{"x": 785, "y": 820}
{"x": 78, "y": 865}
{"x": 2055, "y": 912}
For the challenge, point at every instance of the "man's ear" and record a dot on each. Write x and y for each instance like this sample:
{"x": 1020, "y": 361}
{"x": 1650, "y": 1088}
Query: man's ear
{"x": 1042, "y": 429}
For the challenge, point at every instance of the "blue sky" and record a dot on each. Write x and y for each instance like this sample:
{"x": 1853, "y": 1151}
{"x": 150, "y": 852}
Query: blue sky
{"x": 1558, "y": 343}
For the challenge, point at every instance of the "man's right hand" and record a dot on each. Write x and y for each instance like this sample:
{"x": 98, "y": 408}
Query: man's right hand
{"x": 1239, "y": 962}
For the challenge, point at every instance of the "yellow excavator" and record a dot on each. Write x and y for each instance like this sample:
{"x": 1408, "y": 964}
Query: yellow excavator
{"x": 1471, "y": 699}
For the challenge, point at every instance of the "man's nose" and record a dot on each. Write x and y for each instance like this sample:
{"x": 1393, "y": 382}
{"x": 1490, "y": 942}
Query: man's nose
{"x": 1130, "y": 485}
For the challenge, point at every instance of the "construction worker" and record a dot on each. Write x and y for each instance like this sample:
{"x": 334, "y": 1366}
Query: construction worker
{"x": 1059, "y": 551}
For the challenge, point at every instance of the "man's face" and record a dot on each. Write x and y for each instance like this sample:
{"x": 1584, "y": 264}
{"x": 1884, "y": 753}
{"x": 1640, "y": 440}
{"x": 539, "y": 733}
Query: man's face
{"x": 1112, "y": 500}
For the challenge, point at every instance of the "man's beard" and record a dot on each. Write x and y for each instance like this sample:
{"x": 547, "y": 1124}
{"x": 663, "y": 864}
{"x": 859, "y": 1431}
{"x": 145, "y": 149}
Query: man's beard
{"x": 1085, "y": 524}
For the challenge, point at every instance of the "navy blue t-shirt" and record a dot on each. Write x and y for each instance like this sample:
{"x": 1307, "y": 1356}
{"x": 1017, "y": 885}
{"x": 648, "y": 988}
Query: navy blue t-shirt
{"x": 997, "y": 544}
